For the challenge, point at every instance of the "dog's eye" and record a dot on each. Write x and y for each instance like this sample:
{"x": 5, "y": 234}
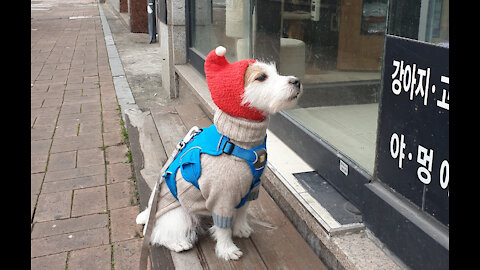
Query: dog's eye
{"x": 262, "y": 77}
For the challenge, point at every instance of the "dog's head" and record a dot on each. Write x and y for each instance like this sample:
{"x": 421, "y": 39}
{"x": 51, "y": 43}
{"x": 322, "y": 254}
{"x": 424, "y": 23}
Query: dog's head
{"x": 247, "y": 88}
{"x": 269, "y": 92}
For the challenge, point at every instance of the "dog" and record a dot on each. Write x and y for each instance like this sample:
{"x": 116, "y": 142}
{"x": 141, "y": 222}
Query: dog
{"x": 246, "y": 93}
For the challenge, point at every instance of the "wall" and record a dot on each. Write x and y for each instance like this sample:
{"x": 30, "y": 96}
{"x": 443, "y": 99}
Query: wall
{"x": 138, "y": 16}
{"x": 172, "y": 40}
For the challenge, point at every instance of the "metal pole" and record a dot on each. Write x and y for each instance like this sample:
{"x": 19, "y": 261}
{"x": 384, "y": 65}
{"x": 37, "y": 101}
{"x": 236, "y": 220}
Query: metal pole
{"x": 152, "y": 27}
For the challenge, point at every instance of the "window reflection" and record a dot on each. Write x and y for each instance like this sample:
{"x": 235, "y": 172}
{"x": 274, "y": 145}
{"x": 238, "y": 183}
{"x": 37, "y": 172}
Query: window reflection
{"x": 342, "y": 47}
{"x": 425, "y": 20}
{"x": 221, "y": 22}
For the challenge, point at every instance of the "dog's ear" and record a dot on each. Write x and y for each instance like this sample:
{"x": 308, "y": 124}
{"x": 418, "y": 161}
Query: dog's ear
{"x": 251, "y": 73}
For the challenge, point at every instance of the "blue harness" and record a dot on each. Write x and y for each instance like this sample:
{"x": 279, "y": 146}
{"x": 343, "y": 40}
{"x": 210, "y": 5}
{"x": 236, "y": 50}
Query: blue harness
{"x": 210, "y": 141}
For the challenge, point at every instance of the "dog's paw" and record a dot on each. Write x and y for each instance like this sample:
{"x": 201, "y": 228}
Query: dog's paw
{"x": 178, "y": 246}
{"x": 231, "y": 252}
{"x": 242, "y": 230}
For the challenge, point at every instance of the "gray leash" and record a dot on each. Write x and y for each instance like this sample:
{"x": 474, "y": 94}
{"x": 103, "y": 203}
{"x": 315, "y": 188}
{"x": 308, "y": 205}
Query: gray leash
{"x": 145, "y": 252}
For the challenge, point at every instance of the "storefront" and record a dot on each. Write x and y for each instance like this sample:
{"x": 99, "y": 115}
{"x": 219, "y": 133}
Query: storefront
{"x": 342, "y": 125}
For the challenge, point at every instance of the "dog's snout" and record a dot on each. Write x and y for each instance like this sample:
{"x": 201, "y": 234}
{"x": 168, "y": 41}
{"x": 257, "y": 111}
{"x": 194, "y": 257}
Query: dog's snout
{"x": 295, "y": 81}
{"x": 296, "y": 90}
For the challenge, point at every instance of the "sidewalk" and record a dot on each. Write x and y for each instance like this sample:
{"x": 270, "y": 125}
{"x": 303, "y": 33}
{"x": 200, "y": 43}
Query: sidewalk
{"x": 83, "y": 193}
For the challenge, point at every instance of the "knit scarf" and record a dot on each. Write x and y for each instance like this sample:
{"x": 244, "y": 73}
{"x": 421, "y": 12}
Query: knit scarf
{"x": 242, "y": 132}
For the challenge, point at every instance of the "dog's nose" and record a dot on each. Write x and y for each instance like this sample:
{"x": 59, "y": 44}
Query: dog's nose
{"x": 295, "y": 82}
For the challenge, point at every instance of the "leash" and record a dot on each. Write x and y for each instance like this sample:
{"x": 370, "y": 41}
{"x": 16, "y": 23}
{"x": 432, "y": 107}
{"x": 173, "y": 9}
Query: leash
{"x": 145, "y": 252}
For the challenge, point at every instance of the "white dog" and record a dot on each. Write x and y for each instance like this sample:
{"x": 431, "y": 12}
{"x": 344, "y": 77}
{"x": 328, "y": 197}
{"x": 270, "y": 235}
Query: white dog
{"x": 245, "y": 92}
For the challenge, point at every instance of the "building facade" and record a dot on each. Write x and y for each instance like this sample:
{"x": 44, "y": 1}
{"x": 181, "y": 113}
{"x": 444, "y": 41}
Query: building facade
{"x": 348, "y": 55}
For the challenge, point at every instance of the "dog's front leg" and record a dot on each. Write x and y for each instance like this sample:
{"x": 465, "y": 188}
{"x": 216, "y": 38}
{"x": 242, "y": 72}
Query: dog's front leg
{"x": 241, "y": 228}
{"x": 225, "y": 248}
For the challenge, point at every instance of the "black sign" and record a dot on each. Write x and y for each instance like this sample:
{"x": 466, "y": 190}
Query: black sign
{"x": 413, "y": 130}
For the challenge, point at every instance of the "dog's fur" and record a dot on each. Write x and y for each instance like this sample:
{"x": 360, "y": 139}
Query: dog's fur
{"x": 268, "y": 92}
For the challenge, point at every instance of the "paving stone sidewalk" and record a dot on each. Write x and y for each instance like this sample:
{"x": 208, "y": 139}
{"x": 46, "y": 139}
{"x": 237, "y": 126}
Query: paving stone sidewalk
{"x": 83, "y": 194}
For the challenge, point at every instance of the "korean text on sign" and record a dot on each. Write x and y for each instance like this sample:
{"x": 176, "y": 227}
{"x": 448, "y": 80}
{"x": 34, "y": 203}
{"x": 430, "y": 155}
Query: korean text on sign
{"x": 416, "y": 81}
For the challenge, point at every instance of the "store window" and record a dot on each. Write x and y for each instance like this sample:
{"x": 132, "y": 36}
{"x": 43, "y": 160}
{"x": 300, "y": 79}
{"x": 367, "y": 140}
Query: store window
{"x": 334, "y": 46}
{"x": 341, "y": 46}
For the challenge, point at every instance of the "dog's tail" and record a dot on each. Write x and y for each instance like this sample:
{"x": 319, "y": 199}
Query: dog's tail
{"x": 142, "y": 218}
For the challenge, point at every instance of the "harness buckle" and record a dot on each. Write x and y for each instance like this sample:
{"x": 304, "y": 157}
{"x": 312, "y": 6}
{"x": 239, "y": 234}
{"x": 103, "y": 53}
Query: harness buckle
{"x": 180, "y": 145}
{"x": 191, "y": 133}
{"x": 229, "y": 148}
{"x": 260, "y": 158}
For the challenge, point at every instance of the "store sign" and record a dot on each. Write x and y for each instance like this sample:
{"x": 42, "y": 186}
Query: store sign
{"x": 413, "y": 131}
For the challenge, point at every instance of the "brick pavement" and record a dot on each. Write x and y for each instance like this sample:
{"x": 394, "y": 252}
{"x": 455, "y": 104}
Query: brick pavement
{"x": 83, "y": 199}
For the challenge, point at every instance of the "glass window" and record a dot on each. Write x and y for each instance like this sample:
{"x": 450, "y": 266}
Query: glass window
{"x": 334, "y": 46}
{"x": 221, "y": 22}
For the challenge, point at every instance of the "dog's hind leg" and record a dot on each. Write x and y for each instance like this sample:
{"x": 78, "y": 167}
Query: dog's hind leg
{"x": 175, "y": 230}
{"x": 241, "y": 228}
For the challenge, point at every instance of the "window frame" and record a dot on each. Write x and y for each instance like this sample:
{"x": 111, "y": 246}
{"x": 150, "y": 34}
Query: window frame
{"x": 194, "y": 57}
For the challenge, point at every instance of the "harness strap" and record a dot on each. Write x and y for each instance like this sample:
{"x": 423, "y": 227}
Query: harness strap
{"x": 256, "y": 158}
{"x": 231, "y": 149}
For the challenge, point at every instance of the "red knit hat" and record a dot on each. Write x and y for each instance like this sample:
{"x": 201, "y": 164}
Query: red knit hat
{"x": 225, "y": 81}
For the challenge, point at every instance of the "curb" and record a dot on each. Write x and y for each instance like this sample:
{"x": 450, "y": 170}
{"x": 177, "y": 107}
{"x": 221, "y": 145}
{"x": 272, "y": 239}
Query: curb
{"x": 127, "y": 102}
{"x": 122, "y": 89}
